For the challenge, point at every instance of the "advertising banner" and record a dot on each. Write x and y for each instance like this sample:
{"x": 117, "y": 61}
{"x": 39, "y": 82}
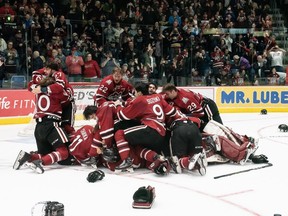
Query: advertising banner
{"x": 252, "y": 99}
{"x": 16, "y": 103}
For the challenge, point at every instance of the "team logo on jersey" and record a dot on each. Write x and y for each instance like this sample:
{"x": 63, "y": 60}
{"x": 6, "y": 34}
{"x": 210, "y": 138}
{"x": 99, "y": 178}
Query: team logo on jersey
{"x": 185, "y": 100}
{"x": 109, "y": 82}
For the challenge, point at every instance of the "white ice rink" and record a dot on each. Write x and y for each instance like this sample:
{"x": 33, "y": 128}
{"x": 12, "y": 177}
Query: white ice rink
{"x": 258, "y": 192}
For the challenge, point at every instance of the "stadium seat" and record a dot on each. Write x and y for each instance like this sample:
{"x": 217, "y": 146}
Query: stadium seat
{"x": 18, "y": 82}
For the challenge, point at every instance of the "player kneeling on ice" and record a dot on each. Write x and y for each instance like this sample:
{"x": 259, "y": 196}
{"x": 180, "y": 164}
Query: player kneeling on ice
{"x": 86, "y": 146}
{"x": 223, "y": 145}
{"x": 51, "y": 139}
{"x": 185, "y": 147}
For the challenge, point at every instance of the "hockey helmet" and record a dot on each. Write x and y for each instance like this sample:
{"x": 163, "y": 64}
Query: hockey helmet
{"x": 263, "y": 111}
{"x": 283, "y": 127}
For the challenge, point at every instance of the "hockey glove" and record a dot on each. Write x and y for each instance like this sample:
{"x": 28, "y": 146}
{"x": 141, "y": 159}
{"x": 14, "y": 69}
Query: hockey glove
{"x": 95, "y": 176}
{"x": 163, "y": 169}
{"x": 144, "y": 197}
{"x": 257, "y": 159}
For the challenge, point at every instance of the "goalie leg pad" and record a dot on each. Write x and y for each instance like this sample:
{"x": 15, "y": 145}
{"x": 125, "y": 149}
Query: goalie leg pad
{"x": 144, "y": 197}
{"x": 231, "y": 150}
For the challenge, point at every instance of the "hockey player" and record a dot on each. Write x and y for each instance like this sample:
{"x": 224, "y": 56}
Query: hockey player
{"x": 108, "y": 123}
{"x": 86, "y": 148}
{"x": 105, "y": 116}
{"x": 192, "y": 103}
{"x": 51, "y": 72}
{"x": 113, "y": 88}
{"x": 51, "y": 139}
{"x": 223, "y": 145}
{"x": 152, "y": 88}
{"x": 185, "y": 144}
{"x": 150, "y": 110}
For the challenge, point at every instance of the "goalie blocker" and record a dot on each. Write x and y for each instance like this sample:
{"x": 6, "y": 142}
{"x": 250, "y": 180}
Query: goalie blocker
{"x": 144, "y": 197}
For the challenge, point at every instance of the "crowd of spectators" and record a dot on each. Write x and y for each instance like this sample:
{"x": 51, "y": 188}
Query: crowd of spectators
{"x": 221, "y": 42}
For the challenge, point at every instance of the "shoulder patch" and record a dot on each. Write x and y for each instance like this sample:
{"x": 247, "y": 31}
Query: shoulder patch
{"x": 185, "y": 100}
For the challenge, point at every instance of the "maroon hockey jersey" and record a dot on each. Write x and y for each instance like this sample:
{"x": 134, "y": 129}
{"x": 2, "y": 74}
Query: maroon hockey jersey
{"x": 150, "y": 110}
{"x": 84, "y": 143}
{"x": 188, "y": 102}
{"x": 108, "y": 90}
{"x": 106, "y": 115}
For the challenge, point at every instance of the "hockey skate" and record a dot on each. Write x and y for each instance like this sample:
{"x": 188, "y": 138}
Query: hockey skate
{"x": 21, "y": 159}
{"x": 174, "y": 162}
{"x": 198, "y": 161}
{"x": 125, "y": 164}
{"x": 251, "y": 148}
{"x": 35, "y": 166}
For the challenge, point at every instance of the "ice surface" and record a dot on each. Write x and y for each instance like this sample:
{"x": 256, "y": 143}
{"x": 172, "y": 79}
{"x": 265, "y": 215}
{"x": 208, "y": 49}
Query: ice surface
{"x": 259, "y": 192}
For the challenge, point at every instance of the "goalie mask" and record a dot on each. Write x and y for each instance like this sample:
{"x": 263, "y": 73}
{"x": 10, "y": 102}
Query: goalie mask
{"x": 48, "y": 208}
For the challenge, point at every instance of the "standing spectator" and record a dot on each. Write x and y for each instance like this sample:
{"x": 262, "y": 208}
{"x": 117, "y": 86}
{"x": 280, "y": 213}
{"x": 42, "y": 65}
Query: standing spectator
{"x": 175, "y": 39}
{"x": 108, "y": 63}
{"x": 61, "y": 61}
{"x": 277, "y": 55}
{"x": 217, "y": 62}
{"x": 90, "y": 30}
{"x": 2, "y": 70}
{"x": 74, "y": 64}
{"x": 131, "y": 53}
{"x": 260, "y": 67}
{"x": 117, "y": 32}
{"x": 150, "y": 63}
{"x": 37, "y": 62}
{"x": 109, "y": 10}
{"x": 91, "y": 68}
{"x": 7, "y": 9}
{"x": 228, "y": 41}
{"x": 61, "y": 25}
{"x": 203, "y": 62}
{"x": 108, "y": 32}
{"x": 12, "y": 59}
{"x": 174, "y": 17}
{"x": 127, "y": 75}
{"x": 244, "y": 66}
{"x": 3, "y": 44}
{"x": 273, "y": 77}
{"x": 75, "y": 40}
{"x": 139, "y": 40}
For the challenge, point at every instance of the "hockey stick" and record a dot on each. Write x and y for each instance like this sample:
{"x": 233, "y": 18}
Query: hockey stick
{"x": 242, "y": 171}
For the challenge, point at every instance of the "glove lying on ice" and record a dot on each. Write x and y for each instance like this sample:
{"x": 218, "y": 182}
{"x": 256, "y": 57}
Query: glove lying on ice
{"x": 95, "y": 176}
{"x": 257, "y": 159}
{"x": 144, "y": 197}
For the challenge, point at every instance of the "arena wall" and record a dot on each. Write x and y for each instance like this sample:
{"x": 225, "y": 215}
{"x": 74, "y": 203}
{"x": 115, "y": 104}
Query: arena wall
{"x": 17, "y": 106}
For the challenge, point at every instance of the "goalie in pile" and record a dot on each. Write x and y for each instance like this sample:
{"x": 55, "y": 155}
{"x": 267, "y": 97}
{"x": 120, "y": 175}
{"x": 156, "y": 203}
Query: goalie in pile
{"x": 187, "y": 148}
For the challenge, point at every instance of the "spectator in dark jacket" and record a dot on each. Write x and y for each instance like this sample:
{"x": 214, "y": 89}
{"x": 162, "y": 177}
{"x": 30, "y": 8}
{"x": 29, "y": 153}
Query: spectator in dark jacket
{"x": 2, "y": 70}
